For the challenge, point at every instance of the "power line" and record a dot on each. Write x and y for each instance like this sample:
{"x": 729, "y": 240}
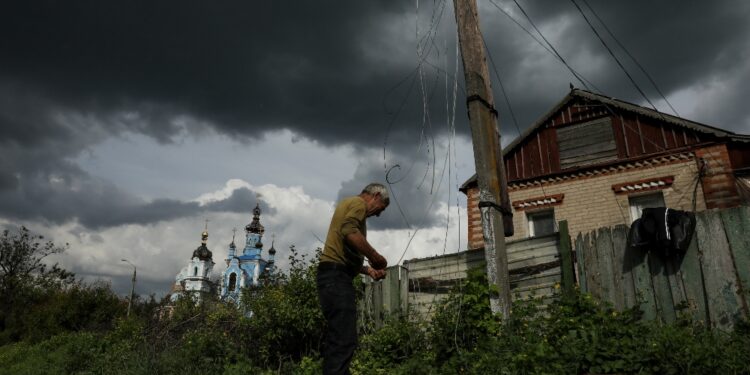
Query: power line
{"x": 580, "y": 77}
{"x": 551, "y": 46}
{"x": 536, "y": 39}
{"x": 500, "y": 81}
{"x": 643, "y": 70}
{"x": 613, "y": 55}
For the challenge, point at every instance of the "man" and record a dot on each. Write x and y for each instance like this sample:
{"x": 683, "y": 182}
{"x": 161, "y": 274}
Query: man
{"x": 342, "y": 259}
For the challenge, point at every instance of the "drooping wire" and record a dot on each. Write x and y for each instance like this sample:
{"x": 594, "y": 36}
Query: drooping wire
{"x": 423, "y": 55}
{"x": 607, "y": 107}
{"x": 582, "y": 79}
{"x": 393, "y": 194}
{"x": 643, "y": 70}
{"x": 536, "y": 39}
{"x": 507, "y": 99}
{"x": 611, "y": 53}
{"x": 573, "y": 72}
{"x": 502, "y": 86}
{"x": 426, "y": 134}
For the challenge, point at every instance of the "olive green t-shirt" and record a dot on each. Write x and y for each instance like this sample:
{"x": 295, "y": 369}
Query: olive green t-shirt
{"x": 349, "y": 217}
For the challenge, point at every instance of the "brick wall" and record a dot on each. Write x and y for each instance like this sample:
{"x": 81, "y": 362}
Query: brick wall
{"x": 476, "y": 239}
{"x": 719, "y": 185}
{"x": 589, "y": 201}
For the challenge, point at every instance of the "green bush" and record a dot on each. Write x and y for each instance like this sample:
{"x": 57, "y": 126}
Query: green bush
{"x": 464, "y": 319}
{"x": 68, "y": 353}
{"x": 394, "y": 343}
{"x": 72, "y": 328}
{"x": 286, "y": 323}
{"x": 572, "y": 336}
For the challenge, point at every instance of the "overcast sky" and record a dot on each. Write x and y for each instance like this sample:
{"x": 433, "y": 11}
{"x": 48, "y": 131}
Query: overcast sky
{"x": 126, "y": 124}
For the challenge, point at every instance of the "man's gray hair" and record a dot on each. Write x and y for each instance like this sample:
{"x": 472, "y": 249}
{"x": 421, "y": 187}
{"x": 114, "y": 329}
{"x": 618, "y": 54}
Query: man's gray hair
{"x": 377, "y": 188}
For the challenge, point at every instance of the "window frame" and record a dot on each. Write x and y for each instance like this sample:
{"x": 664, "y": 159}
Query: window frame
{"x": 530, "y": 216}
{"x": 642, "y": 198}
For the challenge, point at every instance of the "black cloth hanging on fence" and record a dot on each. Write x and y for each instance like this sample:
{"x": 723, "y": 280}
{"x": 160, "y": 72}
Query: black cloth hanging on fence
{"x": 662, "y": 230}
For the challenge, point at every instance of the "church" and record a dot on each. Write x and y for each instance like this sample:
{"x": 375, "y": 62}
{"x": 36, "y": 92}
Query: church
{"x": 194, "y": 278}
{"x": 243, "y": 269}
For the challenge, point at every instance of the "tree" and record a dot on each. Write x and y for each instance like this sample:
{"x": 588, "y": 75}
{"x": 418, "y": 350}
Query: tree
{"x": 23, "y": 269}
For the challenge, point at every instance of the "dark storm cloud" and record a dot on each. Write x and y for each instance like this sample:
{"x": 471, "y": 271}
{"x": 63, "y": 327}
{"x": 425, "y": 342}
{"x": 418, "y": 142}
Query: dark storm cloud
{"x": 681, "y": 45}
{"x": 246, "y": 66}
{"x": 75, "y": 73}
{"x": 327, "y": 70}
{"x": 73, "y": 195}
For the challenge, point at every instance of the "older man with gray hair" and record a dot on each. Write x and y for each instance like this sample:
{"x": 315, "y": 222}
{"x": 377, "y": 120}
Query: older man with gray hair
{"x": 342, "y": 259}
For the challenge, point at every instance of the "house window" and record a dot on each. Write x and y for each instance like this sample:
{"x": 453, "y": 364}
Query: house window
{"x": 541, "y": 223}
{"x": 195, "y": 271}
{"x": 639, "y": 202}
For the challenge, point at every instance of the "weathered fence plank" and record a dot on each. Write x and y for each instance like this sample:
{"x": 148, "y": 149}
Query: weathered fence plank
{"x": 377, "y": 303}
{"x": 662, "y": 292}
{"x": 582, "y": 283}
{"x": 737, "y": 224}
{"x": 566, "y": 261}
{"x": 593, "y": 273}
{"x": 604, "y": 261}
{"x": 674, "y": 278}
{"x": 621, "y": 270}
{"x": 719, "y": 279}
{"x": 404, "y": 291}
{"x": 692, "y": 279}
{"x": 391, "y": 290}
{"x": 644, "y": 291}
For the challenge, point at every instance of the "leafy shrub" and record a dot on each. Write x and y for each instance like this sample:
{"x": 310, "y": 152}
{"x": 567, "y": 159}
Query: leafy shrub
{"x": 81, "y": 329}
{"x": 394, "y": 343}
{"x": 68, "y": 353}
{"x": 570, "y": 336}
{"x": 464, "y": 319}
{"x": 286, "y": 322}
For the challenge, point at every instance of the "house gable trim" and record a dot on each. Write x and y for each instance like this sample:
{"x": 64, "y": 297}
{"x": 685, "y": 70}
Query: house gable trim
{"x": 602, "y": 171}
{"x": 643, "y": 185}
{"x": 539, "y": 202}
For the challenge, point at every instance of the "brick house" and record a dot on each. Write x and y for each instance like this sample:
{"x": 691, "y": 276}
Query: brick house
{"x": 597, "y": 161}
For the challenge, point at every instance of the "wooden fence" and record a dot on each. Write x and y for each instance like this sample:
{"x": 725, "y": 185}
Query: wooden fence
{"x": 415, "y": 287}
{"x": 711, "y": 281}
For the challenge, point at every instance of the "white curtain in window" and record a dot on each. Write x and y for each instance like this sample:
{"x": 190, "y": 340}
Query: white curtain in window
{"x": 638, "y": 203}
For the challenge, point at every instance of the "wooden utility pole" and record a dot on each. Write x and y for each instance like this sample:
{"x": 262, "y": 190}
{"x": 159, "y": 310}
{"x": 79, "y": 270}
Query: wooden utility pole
{"x": 488, "y": 158}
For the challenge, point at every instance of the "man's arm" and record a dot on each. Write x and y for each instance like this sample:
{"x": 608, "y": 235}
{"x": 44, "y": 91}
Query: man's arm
{"x": 358, "y": 242}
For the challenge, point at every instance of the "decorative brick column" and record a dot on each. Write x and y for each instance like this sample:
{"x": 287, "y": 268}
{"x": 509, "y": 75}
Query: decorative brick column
{"x": 719, "y": 188}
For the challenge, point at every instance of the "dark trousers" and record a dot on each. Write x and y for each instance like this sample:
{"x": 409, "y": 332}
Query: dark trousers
{"x": 336, "y": 294}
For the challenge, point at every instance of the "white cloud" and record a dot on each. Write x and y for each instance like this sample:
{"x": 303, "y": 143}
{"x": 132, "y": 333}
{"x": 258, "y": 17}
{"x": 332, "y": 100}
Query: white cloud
{"x": 159, "y": 251}
{"x": 395, "y": 245}
{"x": 301, "y": 201}
{"x": 224, "y": 192}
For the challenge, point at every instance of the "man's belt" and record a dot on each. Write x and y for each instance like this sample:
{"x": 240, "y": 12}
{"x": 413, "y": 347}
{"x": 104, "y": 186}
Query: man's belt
{"x": 327, "y": 266}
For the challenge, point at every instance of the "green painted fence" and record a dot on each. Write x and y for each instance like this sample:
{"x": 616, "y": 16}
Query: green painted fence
{"x": 710, "y": 282}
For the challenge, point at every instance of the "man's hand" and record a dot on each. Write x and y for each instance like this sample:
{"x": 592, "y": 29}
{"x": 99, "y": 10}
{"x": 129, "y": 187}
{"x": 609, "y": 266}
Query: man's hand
{"x": 376, "y": 274}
